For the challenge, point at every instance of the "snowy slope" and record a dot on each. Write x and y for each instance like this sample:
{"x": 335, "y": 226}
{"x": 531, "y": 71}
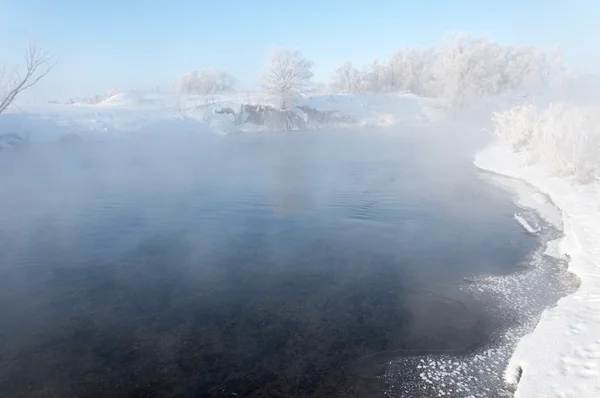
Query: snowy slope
{"x": 136, "y": 113}
{"x": 561, "y": 357}
{"x": 52, "y": 121}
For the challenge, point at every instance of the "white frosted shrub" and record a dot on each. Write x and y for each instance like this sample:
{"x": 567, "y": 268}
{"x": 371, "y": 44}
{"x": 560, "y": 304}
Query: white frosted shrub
{"x": 563, "y": 137}
{"x": 563, "y": 140}
{"x": 517, "y": 125}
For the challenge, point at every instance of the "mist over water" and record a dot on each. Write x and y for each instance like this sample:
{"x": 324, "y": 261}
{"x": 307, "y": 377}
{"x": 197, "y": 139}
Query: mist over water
{"x": 243, "y": 265}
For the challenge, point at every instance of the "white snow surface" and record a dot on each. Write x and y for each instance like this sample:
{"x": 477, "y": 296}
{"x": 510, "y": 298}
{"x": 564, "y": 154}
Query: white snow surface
{"x": 561, "y": 357}
{"x": 152, "y": 113}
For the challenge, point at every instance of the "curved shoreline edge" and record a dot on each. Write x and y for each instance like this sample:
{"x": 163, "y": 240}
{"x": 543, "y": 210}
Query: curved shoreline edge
{"x": 561, "y": 356}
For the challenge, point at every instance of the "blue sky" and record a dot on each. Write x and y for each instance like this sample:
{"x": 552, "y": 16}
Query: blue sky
{"x": 141, "y": 44}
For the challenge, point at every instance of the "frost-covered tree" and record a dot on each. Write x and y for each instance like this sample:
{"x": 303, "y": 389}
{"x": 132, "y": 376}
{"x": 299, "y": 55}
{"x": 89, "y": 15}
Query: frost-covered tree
{"x": 38, "y": 64}
{"x": 530, "y": 67}
{"x": 186, "y": 83}
{"x": 205, "y": 81}
{"x": 346, "y": 79}
{"x": 463, "y": 69}
{"x": 472, "y": 67}
{"x": 287, "y": 74}
{"x": 373, "y": 76}
{"x": 409, "y": 70}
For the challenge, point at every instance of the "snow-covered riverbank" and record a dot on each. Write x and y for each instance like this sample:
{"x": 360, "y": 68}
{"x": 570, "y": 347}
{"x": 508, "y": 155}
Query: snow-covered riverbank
{"x": 561, "y": 357}
{"x": 153, "y": 113}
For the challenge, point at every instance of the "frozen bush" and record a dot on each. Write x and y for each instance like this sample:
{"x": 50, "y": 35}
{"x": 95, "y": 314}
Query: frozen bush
{"x": 563, "y": 137}
{"x": 517, "y": 125}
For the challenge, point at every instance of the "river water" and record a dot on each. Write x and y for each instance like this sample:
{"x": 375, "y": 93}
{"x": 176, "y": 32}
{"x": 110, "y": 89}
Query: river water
{"x": 282, "y": 264}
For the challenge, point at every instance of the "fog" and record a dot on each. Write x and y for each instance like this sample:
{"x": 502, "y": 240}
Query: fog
{"x": 294, "y": 200}
{"x": 120, "y": 252}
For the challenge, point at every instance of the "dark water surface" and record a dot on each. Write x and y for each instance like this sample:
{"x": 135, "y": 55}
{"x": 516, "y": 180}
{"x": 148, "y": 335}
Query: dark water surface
{"x": 252, "y": 265}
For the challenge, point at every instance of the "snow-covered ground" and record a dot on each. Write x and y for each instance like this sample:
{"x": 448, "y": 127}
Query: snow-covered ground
{"x": 561, "y": 357}
{"x": 154, "y": 113}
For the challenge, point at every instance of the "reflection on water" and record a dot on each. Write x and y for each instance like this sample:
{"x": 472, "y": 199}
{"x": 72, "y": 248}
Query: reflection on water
{"x": 282, "y": 265}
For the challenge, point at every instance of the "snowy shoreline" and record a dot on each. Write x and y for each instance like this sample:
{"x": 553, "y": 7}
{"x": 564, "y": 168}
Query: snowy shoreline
{"x": 561, "y": 356}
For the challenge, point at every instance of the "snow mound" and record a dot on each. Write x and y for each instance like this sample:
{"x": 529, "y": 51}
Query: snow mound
{"x": 370, "y": 109}
{"x": 121, "y": 99}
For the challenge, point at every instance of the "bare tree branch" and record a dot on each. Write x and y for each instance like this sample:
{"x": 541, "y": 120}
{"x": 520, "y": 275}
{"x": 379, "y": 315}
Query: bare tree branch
{"x": 38, "y": 64}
